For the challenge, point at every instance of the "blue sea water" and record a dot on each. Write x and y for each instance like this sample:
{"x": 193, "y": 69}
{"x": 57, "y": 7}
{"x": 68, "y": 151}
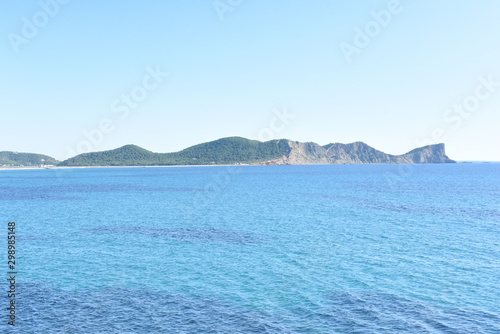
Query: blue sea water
{"x": 255, "y": 249}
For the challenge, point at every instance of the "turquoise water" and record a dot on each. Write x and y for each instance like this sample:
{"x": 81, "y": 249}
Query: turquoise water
{"x": 271, "y": 249}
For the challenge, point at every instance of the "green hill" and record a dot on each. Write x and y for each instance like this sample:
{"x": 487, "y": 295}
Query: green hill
{"x": 223, "y": 151}
{"x": 25, "y": 159}
{"x": 129, "y": 155}
{"x": 237, "y": 150}
{"x": 229, "y": 151}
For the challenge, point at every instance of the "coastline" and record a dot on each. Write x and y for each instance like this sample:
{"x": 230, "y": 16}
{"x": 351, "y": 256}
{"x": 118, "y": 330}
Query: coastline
{"x": 235, "y": 165}
{"x": 84, "y": 167}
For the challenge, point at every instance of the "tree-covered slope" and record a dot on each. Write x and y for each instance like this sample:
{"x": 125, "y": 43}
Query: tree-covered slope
{"x": 25, "y": 159}
{"x": 237, "y": 150}
{"x": 129, "y": 155}
{"x": 229, "y": 151}
{"x": 223, "y": 151}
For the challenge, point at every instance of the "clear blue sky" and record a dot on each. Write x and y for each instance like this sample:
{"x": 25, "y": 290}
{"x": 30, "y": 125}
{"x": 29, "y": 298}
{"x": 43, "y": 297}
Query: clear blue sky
{"x": 227, "y": 77}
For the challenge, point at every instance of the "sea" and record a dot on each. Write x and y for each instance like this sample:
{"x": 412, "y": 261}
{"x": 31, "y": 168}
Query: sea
{"x": 253, "y": 249}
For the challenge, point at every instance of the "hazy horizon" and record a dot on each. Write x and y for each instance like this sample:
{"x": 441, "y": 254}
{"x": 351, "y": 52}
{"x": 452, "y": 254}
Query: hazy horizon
{"x": 397, "y": 75}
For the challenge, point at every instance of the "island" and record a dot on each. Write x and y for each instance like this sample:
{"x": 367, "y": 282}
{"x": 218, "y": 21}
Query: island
{"x": 237, "y": 151}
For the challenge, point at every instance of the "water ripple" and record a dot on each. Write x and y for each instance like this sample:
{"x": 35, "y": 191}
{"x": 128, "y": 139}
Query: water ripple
{"x": 183, "y": 234}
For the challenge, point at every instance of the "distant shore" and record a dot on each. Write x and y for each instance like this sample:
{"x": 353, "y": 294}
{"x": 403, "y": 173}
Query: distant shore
{"x": 237, "y": 165}
{"x": 83, "y": 167}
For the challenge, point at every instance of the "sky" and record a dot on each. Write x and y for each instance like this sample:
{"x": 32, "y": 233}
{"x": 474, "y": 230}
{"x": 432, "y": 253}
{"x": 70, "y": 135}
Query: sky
{"x": 91, "y": 75}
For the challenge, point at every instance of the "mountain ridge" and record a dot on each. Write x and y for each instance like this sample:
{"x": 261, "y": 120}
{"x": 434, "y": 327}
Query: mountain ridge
{"x": 238, "y": 150}
{"x": 9, "y": 158}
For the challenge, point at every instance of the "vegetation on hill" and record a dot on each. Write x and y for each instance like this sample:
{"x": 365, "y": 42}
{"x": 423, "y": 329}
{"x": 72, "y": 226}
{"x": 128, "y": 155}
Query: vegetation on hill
{"x": 223, "y": 151}
{"x": 237, "y": 150}
{"x": 129, "y": 155}
{"x": 229, "y": 151}
{"x": 25, "y": 159}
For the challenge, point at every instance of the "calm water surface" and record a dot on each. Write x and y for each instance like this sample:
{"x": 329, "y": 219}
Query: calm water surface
{"x": 278, "y": 249}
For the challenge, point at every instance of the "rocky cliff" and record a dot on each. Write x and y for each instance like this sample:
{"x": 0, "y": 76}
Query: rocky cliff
{"x": 237, "y": 150}
{"x": 356, "y": 153}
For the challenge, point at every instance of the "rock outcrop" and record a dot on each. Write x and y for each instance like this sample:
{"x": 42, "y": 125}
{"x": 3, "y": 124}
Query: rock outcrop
{"x": 357, "y": 153}
{"x": 237, "y": 150}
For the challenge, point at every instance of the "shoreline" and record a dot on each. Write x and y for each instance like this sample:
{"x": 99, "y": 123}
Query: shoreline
{"x": 238, "y": 165}
{"x": 92, "y": 167}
